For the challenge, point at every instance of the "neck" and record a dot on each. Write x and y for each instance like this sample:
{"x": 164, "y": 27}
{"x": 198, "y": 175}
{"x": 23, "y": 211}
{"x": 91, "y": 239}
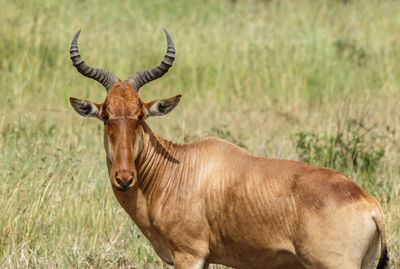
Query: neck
{"x": 157, "y": 162}
{"x": 162, "y": 174}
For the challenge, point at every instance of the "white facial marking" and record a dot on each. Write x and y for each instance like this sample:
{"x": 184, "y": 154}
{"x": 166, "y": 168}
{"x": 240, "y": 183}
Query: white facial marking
{"x": 110, "y": 152}
{"x": 138, "y": 145}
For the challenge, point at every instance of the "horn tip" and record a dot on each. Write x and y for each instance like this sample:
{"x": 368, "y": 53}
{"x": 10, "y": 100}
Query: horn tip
{"x": 165, "y": 31}
{"x": 77, "y": 35}
{"x": 169, "y": 38}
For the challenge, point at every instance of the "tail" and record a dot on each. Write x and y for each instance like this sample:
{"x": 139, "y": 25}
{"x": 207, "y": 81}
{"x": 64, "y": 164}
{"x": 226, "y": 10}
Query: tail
{"x": 384, "y": 259}
{"x": 380, "y": 223}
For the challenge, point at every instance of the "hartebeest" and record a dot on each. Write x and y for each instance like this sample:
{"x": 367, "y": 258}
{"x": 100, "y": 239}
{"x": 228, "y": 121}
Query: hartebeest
{"x": 210, "y": 201}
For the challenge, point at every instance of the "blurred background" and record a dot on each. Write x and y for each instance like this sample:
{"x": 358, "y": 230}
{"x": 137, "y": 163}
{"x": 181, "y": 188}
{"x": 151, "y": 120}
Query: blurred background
{"x": 316, "y": 81}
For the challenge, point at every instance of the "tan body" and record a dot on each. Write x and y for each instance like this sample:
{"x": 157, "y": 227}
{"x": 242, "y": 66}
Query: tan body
{"x": 210, "y": 201}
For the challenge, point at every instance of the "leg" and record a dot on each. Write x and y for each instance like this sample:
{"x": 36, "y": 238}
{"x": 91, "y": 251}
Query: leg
{"x": 188, "y": 261}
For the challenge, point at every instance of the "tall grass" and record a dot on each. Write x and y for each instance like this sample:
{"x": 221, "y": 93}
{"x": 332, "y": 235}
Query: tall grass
{"x": 261, "y": 70}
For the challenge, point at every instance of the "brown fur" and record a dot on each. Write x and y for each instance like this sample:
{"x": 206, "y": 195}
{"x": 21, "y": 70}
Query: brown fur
{"x": 210, "y": 201}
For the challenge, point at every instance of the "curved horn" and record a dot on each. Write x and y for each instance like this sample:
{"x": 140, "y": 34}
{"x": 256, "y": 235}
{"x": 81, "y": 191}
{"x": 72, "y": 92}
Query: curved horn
{"x": 101, "y": 75}
{"x": 140, "y": 78}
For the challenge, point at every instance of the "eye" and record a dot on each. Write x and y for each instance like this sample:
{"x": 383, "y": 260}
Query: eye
{"x": 140, "y": 117}
{"x": 105, "y": 117}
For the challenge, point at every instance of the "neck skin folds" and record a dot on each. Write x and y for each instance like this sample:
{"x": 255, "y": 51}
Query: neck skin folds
{"x": 156, "y": 157}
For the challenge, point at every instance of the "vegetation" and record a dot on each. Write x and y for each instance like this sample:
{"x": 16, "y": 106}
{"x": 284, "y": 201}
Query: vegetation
{"x": 346, "y": 151}
{"x": 254, "y": 72}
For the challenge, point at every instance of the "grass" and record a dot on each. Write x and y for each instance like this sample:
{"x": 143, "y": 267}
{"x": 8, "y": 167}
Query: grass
{"x": 262, "y": 70}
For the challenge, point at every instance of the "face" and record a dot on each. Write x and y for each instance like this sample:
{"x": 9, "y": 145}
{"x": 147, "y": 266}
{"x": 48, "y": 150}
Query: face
{"x": 123, "y": 114}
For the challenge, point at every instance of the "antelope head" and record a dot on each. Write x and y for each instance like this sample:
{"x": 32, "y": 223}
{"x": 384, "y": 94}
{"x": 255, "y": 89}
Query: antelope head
{"x": 123, "y": 112}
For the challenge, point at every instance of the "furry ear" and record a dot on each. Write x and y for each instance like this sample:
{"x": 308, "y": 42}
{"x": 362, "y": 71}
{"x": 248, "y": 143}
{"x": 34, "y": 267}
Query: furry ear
{"x": 85, "y": 108}
{"x": 162, "y": 106}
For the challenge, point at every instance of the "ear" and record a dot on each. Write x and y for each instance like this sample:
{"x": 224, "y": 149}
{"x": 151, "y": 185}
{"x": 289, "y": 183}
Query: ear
{"x": 161, "y": 106}
{"x": 85, "y": 108}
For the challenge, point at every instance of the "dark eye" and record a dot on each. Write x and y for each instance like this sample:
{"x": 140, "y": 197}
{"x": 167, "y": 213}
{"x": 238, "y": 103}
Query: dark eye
{"x": 105, "y": 117}
{"x": 140, "y": 117}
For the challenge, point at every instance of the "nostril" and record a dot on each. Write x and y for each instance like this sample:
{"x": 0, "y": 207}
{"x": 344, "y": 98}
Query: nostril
{"x": 122, "y": 183}
{"x": 119, "y": 181}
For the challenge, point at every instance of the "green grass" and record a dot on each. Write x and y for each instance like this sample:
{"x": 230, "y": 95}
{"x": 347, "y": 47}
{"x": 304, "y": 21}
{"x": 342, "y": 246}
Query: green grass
{"x": 261, "y": 70}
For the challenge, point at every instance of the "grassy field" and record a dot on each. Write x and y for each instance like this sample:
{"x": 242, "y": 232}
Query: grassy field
{"x": 310, "y": 80}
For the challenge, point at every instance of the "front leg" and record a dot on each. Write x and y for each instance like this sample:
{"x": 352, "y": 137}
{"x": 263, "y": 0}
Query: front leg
{"x": 189, "y": 261}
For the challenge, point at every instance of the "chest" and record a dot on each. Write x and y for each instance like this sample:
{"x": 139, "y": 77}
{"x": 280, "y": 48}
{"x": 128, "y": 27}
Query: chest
{"x": 135, "y": 204}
